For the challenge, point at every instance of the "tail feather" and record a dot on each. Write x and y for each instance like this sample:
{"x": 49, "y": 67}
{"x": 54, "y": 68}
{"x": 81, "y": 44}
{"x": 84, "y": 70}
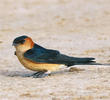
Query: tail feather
{"x": 79, "y": 61}
{"x": 82, "y": 60}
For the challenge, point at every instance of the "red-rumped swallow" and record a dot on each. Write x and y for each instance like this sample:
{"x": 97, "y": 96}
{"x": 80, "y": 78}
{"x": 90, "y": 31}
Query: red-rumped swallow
{"x": 42, "y": 60}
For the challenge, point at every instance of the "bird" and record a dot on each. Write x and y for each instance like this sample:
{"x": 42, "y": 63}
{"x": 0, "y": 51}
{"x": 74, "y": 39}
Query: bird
{"x": 42, "y": 60}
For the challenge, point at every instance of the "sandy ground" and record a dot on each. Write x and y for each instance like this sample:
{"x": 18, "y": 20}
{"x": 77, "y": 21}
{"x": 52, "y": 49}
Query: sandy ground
{"x": 75, "y": 27}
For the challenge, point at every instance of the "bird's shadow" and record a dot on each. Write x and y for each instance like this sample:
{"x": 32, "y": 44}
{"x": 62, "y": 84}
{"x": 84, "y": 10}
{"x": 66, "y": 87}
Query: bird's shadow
{"x": 10, "y": 73}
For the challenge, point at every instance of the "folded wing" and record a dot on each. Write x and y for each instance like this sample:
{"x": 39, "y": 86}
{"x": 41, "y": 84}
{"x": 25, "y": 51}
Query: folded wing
{"x": 42, "y": 55}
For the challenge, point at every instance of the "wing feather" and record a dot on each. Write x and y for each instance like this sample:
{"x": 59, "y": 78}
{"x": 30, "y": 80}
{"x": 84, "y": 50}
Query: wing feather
{"x": 42, "y": 55}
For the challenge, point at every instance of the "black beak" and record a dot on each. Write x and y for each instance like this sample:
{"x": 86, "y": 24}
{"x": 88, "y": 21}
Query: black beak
{"x": 14, "y": 44}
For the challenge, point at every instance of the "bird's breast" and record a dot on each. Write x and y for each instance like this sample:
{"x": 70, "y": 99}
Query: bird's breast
{"x": 36, "y": 66}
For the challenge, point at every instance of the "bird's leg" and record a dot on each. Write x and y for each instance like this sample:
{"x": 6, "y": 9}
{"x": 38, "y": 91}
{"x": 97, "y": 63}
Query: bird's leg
{"x": 41, "y": 74}
{"x": 38, "y": 73}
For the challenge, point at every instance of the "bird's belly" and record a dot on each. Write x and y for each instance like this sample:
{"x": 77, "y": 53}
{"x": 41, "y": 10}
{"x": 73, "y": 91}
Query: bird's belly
{"x": 38, "y": 66}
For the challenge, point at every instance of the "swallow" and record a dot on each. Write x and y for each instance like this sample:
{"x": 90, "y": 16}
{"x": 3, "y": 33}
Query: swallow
{"x": 37, "y": 58}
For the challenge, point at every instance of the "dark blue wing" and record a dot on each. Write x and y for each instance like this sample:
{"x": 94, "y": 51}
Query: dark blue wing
{"x": 42, "y": 55}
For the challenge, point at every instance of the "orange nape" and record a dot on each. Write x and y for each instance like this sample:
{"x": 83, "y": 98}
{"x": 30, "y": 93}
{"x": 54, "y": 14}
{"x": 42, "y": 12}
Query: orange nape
{"x": 29, "y": 42}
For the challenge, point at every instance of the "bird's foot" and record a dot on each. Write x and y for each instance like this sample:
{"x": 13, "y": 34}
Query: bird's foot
{"x": 40, "y": 74}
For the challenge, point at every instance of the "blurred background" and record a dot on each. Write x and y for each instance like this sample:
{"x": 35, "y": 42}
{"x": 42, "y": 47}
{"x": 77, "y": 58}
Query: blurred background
{"x": 55, "y": 16}
{"x": 75, "y": 27}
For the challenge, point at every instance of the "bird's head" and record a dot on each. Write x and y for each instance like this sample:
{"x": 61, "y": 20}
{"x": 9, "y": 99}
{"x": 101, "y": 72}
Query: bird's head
{"x": 23, "y": 43}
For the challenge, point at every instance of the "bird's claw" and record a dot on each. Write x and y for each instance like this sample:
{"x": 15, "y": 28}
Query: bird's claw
{"x": 40, "y": 74}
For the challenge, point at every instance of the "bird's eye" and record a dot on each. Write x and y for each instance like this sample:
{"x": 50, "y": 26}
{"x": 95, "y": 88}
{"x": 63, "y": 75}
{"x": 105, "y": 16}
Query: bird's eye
{"x": 22, "y": 41}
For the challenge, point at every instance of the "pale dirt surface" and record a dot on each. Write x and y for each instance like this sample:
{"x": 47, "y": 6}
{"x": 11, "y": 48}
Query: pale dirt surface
{"x": 75, "y": 27}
